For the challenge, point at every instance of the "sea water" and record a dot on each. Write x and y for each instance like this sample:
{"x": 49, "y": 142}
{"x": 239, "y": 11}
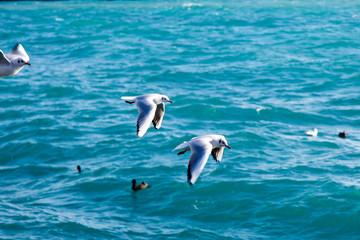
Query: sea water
{"x": 258, "y": 72}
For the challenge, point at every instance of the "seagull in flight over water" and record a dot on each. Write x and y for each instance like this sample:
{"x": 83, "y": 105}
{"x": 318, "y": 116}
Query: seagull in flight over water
{"x": 151, "y": 109}
{"x": 12, "y": 63}
{"x": 200, "y": 148}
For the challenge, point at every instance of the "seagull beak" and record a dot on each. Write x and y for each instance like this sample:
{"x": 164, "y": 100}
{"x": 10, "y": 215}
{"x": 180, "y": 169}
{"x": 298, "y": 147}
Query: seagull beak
{"x": 27, "y": 63}
{"x": 169, "y": 101}
{"x": 228, "y": 146}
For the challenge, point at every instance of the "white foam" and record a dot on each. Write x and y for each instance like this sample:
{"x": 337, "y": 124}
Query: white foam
{"x": 192, "y": 5}
{"x": 259, "y": 109}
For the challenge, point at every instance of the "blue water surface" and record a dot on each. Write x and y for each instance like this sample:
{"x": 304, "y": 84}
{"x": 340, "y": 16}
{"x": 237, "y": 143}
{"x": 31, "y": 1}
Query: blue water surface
{"x": 258, "y": 72}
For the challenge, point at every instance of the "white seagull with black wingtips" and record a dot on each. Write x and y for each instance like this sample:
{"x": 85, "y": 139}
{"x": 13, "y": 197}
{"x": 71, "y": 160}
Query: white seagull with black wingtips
{"x": 12, "y": 63}
{"x": 200, "y": 148}
{"x": 151, "y": 109}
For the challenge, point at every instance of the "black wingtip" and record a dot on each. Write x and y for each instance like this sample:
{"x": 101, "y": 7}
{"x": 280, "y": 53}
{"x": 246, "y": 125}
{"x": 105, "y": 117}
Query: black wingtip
{"x": 16, "y": 46}
{"x": 189, "y": 175}
{"x": 137, "y": 130}
{"x": 213, "y": 154}
{"x": 155, "y": 125}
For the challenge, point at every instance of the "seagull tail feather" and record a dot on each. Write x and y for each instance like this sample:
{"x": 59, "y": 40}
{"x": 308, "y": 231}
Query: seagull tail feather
{"x": 131, "y": 99}
{"x": 184, "y": 145}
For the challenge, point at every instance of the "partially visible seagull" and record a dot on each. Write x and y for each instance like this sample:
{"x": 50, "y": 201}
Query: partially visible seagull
{"x": 200, "y": 148}
{"x": 313, "y": 133}
{"x": 12, "y": 63}
{"x": 151, "y": 109}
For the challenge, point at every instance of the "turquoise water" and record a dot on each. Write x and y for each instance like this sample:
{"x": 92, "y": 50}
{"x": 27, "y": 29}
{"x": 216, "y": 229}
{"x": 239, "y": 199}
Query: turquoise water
{"x": 259, "y": 73}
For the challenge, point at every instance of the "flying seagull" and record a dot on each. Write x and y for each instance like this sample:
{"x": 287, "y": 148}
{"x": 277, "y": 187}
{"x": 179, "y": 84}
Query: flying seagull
{"x": 12, "y": 63}
{"x": 200, "y": 148}
{"x": 151, "y": 109}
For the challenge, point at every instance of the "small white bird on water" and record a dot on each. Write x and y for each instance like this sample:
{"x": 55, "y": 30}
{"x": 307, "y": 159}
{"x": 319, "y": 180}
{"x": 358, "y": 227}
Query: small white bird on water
{"x": 200, "y": 148}
{"x": 151, "y": 109}
{"x": 313, "y": 133}
{"x": 12, "y": 63}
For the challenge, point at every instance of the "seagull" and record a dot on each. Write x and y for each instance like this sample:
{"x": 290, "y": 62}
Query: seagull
{"x": 151, "y": 109}
{"x": 313, "y": 133}
{"x": 141, "y": 186}
{"x": 12, "y": 63}
{"x": 200, "y": 148}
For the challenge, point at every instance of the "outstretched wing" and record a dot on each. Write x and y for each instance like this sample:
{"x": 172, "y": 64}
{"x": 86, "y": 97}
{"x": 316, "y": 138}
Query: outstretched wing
{"x": 217, "y": 153}
{"x": 159, "y": 115}
{"x": 19, "y": 51}
{"x": 3, "y": 59}
{"x": 146, "y": 115}
{"x": 200, "y": 152}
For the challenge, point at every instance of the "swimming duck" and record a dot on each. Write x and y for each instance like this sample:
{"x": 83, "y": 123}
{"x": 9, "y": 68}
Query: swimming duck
{"x": 140, "y": 186}
{"x": 342, "y": 134}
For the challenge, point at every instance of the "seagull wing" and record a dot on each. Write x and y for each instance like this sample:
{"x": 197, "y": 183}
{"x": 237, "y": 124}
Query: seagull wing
{"x": 3, "y": 59}
{"x": 217, "y": 153}
{"x": 147, "y": 111}
{"x": 200, "y": 152}
{"x": 159, "y": 115}
{"x": 19, "y": 51}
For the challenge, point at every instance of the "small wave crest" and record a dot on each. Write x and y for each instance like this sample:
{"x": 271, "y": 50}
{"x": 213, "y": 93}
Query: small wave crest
{"x": 192, "y": 4}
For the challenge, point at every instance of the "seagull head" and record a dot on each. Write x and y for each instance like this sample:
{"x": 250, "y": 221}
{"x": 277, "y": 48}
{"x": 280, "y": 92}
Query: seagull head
{"x": 20, "y": 62}
{"x": 165, "y": 99}
{"x": 221, "y": 142}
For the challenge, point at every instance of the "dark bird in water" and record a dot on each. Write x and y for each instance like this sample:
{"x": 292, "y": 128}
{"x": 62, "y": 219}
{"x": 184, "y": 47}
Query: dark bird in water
{"x": 142, "y": 185}
{"x": 78, "y": 168}
{"x": 342, "y": 134}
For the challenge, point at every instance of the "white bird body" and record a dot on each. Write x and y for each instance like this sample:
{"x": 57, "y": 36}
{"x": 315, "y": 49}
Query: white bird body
{"x": 151, "y": 109}
{"x": 200, "y": 148}
{"x": 313, "y": 133}
{"x": 12, "y": 63}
